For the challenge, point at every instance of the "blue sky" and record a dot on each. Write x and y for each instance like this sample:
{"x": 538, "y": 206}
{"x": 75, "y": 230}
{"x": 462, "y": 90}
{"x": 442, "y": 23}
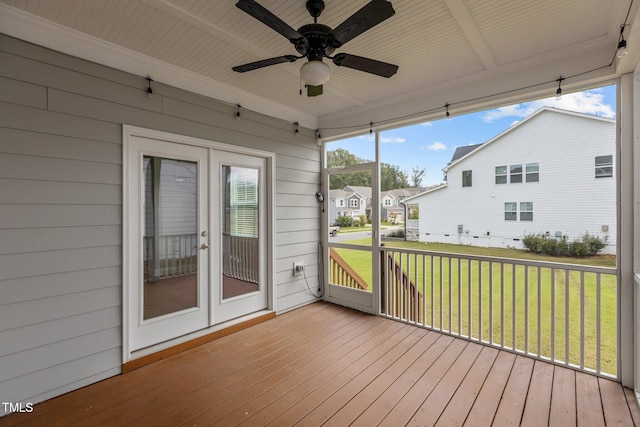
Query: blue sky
{"x": 431, "y": 145}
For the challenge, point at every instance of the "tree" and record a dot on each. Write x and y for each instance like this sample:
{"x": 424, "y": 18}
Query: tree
{"x": 416, "y": 176}
{"x": 391, "y": 176}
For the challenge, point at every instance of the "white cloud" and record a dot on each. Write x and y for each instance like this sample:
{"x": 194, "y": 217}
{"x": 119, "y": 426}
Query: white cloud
{"x": 389, "y": 140}
{"x": 426, "y": 124}
{"x": 589, "y": 102}
{"x": 436, "y": 146}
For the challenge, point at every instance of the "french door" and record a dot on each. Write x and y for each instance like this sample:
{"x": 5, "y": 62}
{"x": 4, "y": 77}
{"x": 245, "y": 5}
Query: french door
{"x": 194, "y": 240}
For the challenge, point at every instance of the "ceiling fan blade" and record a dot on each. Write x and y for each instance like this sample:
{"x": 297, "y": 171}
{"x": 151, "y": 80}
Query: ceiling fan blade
{"x": 264, "y": 63}
{"x": 314, "y": 90}
{"x": 369, "y": 16}
{"x": 367, "y": 65}
{"x": 263, "y": 15}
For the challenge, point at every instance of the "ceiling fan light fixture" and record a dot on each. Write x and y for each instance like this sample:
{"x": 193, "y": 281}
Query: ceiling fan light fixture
{"x": 315, "y": 73}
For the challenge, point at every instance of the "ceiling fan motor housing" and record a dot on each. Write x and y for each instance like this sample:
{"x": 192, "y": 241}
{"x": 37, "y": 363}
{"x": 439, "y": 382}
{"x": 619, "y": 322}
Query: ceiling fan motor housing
{"x": 316, "y": 41}
{"x": 315, "y": 7}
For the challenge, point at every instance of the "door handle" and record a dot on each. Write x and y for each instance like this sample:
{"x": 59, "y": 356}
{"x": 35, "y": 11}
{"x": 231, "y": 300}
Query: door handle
{"x": 204, "y": 246}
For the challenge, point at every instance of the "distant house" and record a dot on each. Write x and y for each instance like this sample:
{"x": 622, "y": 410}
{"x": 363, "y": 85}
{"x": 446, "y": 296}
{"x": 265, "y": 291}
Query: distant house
{"x": 356, "y": 200}
{"x": 348, "y": 202}
{"x": 552, "y": 173}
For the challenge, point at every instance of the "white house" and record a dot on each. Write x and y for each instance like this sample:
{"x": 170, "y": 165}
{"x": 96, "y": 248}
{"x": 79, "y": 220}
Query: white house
{"x": 551, "y": 173}
{"x": 347, "y": 202}
{"x": 354, "y": 201}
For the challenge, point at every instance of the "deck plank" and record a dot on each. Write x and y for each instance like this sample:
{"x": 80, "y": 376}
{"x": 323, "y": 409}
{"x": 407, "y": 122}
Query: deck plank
{"x": 325, "y": 364}
{"x": 563, "y": 399}
{"x": 588, "y": 401}
{"x": 460, "y": 404}
{"x": 402, "y": 413}
{"x": 486, "y": 404}
{"x": 379, "y": 409}
{"x": 430, "y": 410}
{"x": 633, "y": 405}
{"x": 511, "y": 405}
{"x": 538, "y": 405}
{"x": 352, "y": 410}
{"x": 315, "y": 398}
{"x": 614, "y": 404}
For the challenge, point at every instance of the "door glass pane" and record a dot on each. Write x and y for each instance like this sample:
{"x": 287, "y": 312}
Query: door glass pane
{"x": 170, "y": 236}
{"x": 240, "y": 231}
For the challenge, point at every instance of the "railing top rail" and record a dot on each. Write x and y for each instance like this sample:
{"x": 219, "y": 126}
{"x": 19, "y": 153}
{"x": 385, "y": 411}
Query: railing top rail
{"x": 543, "y": 264}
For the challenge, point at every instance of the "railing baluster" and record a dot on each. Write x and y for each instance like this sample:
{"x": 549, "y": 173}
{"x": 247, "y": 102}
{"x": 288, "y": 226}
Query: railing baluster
{"x": 539, "y": 307}
{"x": 566, "y": 317}
{"x": 450, "y": 295}
{"x": 459, "y": 296}
{"x": 480, "y": 318}
{"x": 582, "y": 320}
{"x": 526, "y": 309}
{"x": 502, "y": 305}
{"x": 598, "y": 325}
{"x": 469, "y": 299}
{"x": 441, "y": 296}
{"x": 433, "y": 280}
{"x": 553, "y": 314}
{"x": 491, "y": 302}
{"x": 514, "y": 313}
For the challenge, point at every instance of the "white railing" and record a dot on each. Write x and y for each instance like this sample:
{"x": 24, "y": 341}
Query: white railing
{"x": 561, "y": 313}
{"x": 170, "y": 256}
{"x": 241, "y": 257}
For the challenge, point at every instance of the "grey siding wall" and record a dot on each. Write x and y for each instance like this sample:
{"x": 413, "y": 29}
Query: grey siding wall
{"x": 61, "y": 209}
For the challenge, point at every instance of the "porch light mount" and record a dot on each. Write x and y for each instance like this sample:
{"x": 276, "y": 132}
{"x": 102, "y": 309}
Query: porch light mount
{"x": 149, "y": 90}
{"x": 622, "y": 43}
{"x": 447, "y": 114}
{"x": 238, "y": 111}
{"x": 559, "y": 90}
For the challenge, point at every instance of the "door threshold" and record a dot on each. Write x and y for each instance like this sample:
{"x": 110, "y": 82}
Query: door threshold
{"x": 146, "y": 356}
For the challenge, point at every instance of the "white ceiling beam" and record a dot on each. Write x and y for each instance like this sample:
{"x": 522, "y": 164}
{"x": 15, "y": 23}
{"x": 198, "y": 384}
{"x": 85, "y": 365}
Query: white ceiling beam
{"x": 468, "y": 26}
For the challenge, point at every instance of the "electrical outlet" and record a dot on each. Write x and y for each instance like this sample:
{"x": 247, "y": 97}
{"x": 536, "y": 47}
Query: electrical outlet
{"x": 299, "y": 267}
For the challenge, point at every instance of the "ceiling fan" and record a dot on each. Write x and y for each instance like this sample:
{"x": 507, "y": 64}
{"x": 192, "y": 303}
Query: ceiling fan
{"x": 317, "y": 41}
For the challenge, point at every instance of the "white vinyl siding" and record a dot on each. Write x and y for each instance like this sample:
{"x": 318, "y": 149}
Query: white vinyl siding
{"x": 564, "y": 145}
{"x": 61, "y": 209}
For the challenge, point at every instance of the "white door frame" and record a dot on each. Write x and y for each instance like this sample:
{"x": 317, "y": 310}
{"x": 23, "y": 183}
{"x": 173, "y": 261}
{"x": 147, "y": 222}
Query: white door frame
{"x": 129, "y": 254}
{"x": 368, "y": 302}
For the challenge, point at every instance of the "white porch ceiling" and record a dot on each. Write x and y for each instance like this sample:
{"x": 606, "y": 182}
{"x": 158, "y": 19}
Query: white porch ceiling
{"x": 448, "y": 51}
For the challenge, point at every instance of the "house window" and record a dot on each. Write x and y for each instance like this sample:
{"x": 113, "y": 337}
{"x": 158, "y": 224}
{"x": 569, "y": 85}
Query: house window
{"x": 515, "y": 173}
{"x": 466, "y": 178}
{"x": 533, "y": 172}
{"x": 604, "y": 166}
{"x": 501, "y": 174}
{"x": 387, "y": 202}
{"x": 526, "y": 211}
{"x": 354, "y": 203}
{"x": 341, "y": 202}
{"x": 510, "y": 211}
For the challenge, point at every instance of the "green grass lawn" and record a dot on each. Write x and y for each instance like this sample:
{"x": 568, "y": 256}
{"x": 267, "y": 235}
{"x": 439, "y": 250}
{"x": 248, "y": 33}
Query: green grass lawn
{"x": 453, "y": 295}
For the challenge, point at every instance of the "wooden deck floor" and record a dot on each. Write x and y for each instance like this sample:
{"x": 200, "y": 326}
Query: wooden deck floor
{"x": 327, "y": 365}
